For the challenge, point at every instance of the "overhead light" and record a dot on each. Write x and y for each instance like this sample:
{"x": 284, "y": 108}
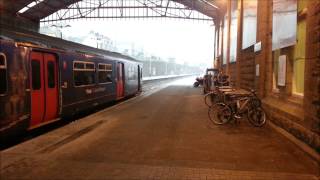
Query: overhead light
{"x": 207, "y": 2}
{"x": 23, "y": 10}
{"x": 29, "y": 6}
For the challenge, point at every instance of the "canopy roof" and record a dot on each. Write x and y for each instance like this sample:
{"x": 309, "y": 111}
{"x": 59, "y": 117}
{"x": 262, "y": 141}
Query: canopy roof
{"x": 43, "y": 8}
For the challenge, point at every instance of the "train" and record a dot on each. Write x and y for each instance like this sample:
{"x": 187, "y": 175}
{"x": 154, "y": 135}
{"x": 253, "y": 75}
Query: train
{"x": 44, "y": 79}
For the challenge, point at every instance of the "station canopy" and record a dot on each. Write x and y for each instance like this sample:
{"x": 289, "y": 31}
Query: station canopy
{"x": 36, "y": 10}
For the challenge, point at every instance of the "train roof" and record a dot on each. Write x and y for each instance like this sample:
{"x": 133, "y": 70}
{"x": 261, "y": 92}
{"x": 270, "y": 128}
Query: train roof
{"x": 44, "y": 41}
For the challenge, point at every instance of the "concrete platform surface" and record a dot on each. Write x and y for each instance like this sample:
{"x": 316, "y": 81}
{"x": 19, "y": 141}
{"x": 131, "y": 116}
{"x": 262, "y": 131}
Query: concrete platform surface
{"x": 164, "y": 135}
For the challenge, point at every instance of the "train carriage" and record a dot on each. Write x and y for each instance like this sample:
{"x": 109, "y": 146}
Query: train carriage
{"x": 40, "y": 83}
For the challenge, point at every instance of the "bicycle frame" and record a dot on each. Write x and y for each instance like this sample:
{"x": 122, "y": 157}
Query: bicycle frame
{"x": 240, "y": 106}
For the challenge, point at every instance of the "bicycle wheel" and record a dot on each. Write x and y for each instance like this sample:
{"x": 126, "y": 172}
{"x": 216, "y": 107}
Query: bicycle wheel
{"x": 220, "y": 113}
{"x": 208, "y": 99}
{"x": 257, "y": 117}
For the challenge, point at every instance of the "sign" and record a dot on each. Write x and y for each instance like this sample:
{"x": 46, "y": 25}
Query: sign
{"x": 257, "y": 47}
{"x": 257, "y": 70}
{"x": 282, "y": 67}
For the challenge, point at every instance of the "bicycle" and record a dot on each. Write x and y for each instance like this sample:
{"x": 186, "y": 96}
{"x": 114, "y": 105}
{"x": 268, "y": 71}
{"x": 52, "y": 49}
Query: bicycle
{"x": 216, "y": 95}
{"x": 236, "y": 107}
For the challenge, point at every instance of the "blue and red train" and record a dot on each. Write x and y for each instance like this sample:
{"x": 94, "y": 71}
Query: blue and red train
{"x": 43, "y": 79}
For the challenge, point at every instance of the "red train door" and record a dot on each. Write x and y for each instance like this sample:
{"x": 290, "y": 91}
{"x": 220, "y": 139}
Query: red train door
{"x": 120, "y": 80}
{"x": 44, "y": 90}
{"x": 51, "y": 84}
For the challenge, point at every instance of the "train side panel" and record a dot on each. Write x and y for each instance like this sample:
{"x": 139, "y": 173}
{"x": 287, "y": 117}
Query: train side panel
{"x": 14, "y": 89}
{"x": 80, "y": 83}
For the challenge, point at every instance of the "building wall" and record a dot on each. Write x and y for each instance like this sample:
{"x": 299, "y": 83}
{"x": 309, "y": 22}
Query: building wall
{"x": 297, "y": 113}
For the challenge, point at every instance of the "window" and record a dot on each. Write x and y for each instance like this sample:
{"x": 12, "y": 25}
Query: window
{"x": 295, "y": 60}
{"x": 300, "y": 53}
{"x": 105, "y": 73}
{"x": 225, "y": 39}
{"x": 234, "y": 31}
{"x": 51, "y": 74}
{"x": 3, "y": 74}
{"x": 83, "y": 73}
{"x": 132, "y": 73}
{"x": 36, "y": 79}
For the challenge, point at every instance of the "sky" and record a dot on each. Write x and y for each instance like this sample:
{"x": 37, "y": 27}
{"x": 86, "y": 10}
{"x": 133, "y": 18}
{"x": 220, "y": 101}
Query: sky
{"x": 186, "y": 40}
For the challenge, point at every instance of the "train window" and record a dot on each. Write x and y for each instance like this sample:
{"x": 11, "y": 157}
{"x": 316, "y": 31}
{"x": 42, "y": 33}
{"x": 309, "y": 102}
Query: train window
{"x": 83, "y": 73}
{"x": 36, "y": 79}
{"x": 102, "y": 66}
{"x": 109, "y": 67}
{"x": 90, "y": 66}
{"x": 51, "y": 75}
{"x": 132, "y": 73}
{"x": 3, "y": 74}
{"x": 78, "y": 65}
{"x": 105, "y": 73}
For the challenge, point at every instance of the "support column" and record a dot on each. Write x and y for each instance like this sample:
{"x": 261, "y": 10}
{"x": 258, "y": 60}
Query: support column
{"x": 239, "y": 43}
{"x": 263, "y": 36}
{"x": 228, "y": 25}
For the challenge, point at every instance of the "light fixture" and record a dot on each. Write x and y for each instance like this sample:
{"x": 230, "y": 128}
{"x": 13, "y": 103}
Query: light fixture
{"x": 212, "y": 5}
{"x": 60, "y": 27}
{"x": 29, "y": 6}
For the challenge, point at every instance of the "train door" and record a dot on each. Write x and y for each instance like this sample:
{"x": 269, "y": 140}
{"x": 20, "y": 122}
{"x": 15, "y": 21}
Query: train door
{"x": 139, "y": 78}
{"x": 120, "y": 80}
{"x": 44, "y": 88}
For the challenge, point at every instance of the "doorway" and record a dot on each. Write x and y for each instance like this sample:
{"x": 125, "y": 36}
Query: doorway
{"x": 44, "y": 87}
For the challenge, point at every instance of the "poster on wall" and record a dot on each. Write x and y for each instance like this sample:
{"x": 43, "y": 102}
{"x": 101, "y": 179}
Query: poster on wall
{"x": 282, "y": 66}
{"x": 249, "y": 31}
{"x": 233, "y": 31}
{"x": 284, "y": 23}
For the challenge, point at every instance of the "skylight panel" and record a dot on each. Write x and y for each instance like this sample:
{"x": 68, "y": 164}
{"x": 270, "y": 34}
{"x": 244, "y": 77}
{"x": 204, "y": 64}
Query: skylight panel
{"x": 29, "y": 6}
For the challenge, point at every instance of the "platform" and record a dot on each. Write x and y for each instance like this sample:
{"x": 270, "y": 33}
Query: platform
{"x": 162, "y": 134}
